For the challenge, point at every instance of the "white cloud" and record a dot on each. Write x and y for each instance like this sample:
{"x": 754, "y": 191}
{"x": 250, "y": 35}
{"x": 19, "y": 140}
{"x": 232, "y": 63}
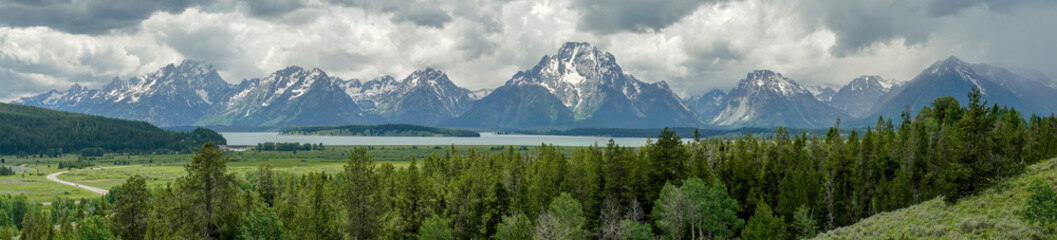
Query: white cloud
{"x": 57, "y": 60}
{"x": 485, "y": 42}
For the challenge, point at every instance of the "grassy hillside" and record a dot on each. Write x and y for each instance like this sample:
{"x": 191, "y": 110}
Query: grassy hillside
{"x": 991, "y": 214}
{"x": 33, "y": 130}
{"x": 406, "y": 130}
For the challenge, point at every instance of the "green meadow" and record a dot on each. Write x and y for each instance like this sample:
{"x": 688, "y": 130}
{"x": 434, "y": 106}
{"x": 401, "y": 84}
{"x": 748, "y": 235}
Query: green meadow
{"x": 161, "y": 169}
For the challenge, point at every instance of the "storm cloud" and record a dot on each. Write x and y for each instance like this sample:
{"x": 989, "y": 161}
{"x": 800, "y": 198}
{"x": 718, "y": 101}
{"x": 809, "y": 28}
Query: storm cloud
{"x": 694, "y": 45}
{"x": 85, "y": 16}
{"x": 609, "y": 16}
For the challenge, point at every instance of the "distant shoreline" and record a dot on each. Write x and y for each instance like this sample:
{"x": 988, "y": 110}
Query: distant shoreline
{"x": 390, "y": 130}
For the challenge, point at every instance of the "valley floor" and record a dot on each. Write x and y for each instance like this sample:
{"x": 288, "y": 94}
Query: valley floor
{"x": 160, "y": 169}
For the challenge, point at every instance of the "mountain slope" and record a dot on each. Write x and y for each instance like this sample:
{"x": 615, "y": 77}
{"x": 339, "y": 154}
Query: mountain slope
{"x": 766, "y": 99}
{"x": 860, "y": 95}
{"x": 172, "y": 96}
{"x": 822, "y": 93}
{"x": 954, "y": 77}
{"x": 589, "y": 83}
{"x": 992, "y": 214}
{"x": 35, "y": 130}
{"x": 516, "y": 106}
{"x": 425, "y": 97}
{"x": 708, "y": 105}
{"x": 292, "y": 96}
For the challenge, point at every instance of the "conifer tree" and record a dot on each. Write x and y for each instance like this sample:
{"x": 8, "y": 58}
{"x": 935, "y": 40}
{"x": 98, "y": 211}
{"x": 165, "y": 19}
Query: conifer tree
{"x": 129, "y": 217}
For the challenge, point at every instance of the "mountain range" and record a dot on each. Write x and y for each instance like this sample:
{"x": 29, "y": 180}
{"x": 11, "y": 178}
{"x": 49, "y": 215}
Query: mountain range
{"x": 192, "y": 93}
{"x": 766, "y": 98}
{"x": 579, "y": 86}
{"x": 954, "y": 77}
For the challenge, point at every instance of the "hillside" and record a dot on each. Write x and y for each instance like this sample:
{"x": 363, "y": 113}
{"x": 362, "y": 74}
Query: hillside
{"x": 992, "y": 214}
{"x": 404, "y": 130}
{"x": 34, "y": 130}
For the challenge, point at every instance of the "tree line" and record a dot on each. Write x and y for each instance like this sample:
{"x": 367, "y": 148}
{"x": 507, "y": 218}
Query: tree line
{"x": 6, "y": 171}
{"x": 776, "y": 186}
{"x": 294, "y": 146}
{"x": 380, "y": 130}
{"x": 37, "y": 131}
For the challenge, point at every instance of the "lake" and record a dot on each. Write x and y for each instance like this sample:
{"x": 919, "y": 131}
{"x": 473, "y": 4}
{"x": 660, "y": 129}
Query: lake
{"x": 487, "y": 138}
{"x": 19, "y": 168}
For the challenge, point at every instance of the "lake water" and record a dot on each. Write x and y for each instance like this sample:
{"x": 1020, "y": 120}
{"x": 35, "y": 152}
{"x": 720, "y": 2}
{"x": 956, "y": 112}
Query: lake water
{"x": 487, "y": 138}
{"x": 19, "y": 168}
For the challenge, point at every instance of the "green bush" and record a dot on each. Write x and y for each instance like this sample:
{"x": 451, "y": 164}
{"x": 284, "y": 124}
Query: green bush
{"x": 1041, "y": 206}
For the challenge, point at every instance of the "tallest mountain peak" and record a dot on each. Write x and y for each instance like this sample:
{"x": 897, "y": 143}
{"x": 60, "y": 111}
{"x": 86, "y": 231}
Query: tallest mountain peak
{"x": 580, "y": 85}
{"x": 948, "y": 64}
{"x": 188, "y": 65}
{"x": 574, "y": 45}
{"x": 575, "y": 50}
{"x": 953, "y": 60}
{"x": 763, "y": 74}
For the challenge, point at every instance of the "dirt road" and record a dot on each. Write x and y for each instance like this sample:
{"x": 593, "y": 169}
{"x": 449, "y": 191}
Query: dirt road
{"x": 54, "y": 177}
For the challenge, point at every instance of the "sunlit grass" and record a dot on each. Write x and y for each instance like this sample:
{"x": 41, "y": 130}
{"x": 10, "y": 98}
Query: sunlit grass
{"x": 991, "y": 214}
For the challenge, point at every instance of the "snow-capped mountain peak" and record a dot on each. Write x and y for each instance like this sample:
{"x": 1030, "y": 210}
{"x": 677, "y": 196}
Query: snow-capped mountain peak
{"x": 77, "y": 88}
{"x": 766, "y": 98}
{"x": 425, "y": 96}
{"x": 427, "y": 76}
{"x": 173, "y": 95}
{"x": 861, "y": 94}
{"x": 707, "y": 105}
{"x": 588, "y": 83}
{"x": 767, "y": 80}
{"x": 822, "y": 93}
{"x": 866, "y": 82}
{"x": 952, "y": 63}
{"x": 961, "y": 69}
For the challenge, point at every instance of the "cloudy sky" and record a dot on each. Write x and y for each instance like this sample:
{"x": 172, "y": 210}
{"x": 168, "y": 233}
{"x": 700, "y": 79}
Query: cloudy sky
{"x": 694, "y": 45}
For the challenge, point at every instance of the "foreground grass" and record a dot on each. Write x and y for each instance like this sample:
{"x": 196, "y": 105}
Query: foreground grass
{"x": 991, "y": 214}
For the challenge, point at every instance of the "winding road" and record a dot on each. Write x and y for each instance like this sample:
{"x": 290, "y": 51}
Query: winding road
{"x": 54, "y": 177}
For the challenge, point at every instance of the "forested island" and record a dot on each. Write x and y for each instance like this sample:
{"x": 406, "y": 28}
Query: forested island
{"x": 683, "y": 132}
{"x": 38, "y": 131}
{"x": 775, "y": 186}
{"x": 403, "y": 130}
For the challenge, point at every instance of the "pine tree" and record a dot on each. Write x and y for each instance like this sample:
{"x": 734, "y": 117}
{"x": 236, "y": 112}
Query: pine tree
{"x": 435, "y": 228}
{"x": 631, "y": 230}
{"x": 129, "y": 217}
{"x": 764, "y": 225}
{"x": 804, "y": 224}
{"x": 261, "y": 224}
{"x": 163, "y": 221}
{"x": 514, "y": 227}
{"x": 95, "y": 228}
{"x": 209, "y": 196}
{"x": 267, "y": 186}
{"x": 36, "y": 226}
{"x": 413, "y": 200}
{"x": 360, "y": 191}
{"x": 564, "y": 219}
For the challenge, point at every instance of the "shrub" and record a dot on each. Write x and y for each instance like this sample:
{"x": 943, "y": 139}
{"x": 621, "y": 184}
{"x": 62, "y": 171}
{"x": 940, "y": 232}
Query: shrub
{"x": 1041, "y": 206}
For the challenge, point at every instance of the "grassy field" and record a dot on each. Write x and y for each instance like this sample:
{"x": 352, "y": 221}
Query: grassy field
{"x": 162, "y": 169}
{"x": 37, "y": 187}
{"x": 991, "y": 214}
